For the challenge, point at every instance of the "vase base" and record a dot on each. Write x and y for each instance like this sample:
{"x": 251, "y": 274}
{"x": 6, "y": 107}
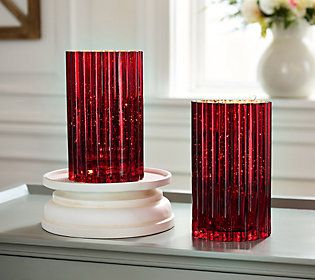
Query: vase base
{"x": 228, "y": 236}
{"x": 109, "y": 210}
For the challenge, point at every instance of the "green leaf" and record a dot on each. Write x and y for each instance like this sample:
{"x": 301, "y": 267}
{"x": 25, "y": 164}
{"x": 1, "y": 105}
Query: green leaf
{"x": 310, "y": 15}
{"x": 263, "y": 27}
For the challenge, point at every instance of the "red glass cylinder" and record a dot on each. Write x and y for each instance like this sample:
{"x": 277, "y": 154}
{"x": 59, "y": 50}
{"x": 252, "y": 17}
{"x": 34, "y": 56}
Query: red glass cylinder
{"x": 105, "y": 116}
{"x": 231, "y": 170}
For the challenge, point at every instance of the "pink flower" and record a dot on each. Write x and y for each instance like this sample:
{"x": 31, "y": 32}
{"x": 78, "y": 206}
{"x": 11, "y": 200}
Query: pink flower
{"x": 293, "y": 3}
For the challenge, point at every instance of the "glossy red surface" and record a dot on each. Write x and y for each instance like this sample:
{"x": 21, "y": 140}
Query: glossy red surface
{"x": 231, "y": 166}
{"x": 105, "y": 116}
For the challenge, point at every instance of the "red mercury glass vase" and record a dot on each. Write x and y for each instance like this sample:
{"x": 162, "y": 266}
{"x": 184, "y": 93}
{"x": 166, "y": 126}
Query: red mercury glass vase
{"x": 231, "y": 166}
{"x": 105, "y": 116}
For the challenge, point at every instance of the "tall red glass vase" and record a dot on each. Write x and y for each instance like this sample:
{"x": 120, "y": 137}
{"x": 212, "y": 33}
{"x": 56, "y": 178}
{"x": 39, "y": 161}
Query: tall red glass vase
{"x": 231, "y": 166}
{"x": 105, "y": 116}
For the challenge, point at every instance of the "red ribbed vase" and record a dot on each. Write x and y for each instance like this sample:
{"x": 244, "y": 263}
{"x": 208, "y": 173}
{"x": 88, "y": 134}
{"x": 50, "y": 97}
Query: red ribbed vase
{"x": 231, "y": 166}
{"x": 105, "y": 116}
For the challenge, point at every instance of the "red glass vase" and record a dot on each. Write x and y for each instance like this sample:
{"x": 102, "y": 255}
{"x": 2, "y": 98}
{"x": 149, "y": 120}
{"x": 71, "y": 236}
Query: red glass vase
{"x": 231, "y": 166}
{"x": 105, "y": 116}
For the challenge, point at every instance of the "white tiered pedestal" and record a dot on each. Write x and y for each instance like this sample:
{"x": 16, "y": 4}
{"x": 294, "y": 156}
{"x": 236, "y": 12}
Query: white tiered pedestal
{"x": 115, "y": 210}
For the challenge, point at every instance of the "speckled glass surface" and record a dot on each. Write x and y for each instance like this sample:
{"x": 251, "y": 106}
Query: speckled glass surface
{"x": 105, "y": 116}
{"x": 231, "y": 166}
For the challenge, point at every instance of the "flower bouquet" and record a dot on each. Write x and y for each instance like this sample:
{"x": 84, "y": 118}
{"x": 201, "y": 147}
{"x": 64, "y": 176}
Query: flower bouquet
{"x": 279, "y": 12}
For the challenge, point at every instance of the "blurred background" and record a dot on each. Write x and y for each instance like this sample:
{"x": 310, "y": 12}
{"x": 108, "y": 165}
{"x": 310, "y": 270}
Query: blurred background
{"x": 189, "y": 52}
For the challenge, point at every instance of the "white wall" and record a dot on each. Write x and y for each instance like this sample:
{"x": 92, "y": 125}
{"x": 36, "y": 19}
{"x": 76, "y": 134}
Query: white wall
{"x": 32, "y": 112}
{"x": 32, "y": 96}
{"x": 32, "y": 91}
{"x": 293, "y": 150}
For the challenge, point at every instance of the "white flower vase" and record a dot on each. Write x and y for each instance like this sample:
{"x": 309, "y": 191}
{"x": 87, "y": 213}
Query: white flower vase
{"x": 287, "y": 68}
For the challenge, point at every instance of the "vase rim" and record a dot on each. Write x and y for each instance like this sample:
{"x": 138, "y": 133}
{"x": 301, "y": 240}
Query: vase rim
{"x": 299, "y": 28}
{"x": 231, "y": 101}
{"x": 103, "y": 51}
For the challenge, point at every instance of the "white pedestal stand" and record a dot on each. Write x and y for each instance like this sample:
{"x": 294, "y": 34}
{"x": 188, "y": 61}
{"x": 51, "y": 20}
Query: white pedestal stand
{"x": 115, "y": 210}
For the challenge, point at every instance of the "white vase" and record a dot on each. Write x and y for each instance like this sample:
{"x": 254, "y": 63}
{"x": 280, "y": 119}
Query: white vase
{"x": 287, "y": 68}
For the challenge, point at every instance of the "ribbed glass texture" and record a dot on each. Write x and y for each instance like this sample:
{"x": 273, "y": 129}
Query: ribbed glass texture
{"x": 231, "y": 166}
{"x": 105, "y": 116}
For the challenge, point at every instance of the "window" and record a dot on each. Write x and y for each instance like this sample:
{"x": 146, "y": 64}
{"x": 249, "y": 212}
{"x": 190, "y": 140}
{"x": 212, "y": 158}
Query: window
{"x": 211, "y": 56}
{"x": 209, "y": 59}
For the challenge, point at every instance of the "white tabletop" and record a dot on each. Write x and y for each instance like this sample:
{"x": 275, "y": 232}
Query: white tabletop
{"x": 289, "y": 251}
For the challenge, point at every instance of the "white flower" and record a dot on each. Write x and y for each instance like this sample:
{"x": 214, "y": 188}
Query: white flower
{"x": 250, "y": 11}
{"x": 268, "y": 6}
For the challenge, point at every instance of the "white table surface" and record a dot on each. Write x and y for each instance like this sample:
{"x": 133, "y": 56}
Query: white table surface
{"x": 290, "y": 251}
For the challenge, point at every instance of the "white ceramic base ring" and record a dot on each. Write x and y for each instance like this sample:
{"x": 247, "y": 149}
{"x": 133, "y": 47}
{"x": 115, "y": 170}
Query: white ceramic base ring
{"x": 103, "y": 213}
{"x": 153, "y": 178}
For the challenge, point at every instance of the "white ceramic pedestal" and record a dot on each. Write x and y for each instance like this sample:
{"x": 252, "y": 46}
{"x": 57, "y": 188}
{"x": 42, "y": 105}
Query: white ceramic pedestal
{"x": 115, "y": 210}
